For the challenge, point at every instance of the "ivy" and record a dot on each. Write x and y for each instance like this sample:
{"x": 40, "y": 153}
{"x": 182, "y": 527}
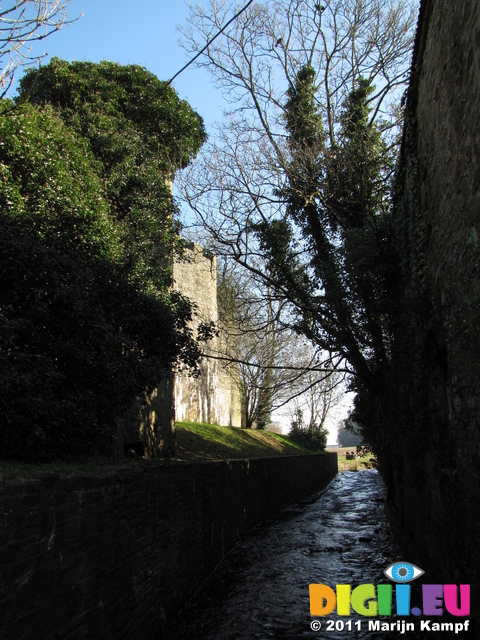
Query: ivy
{"x": 87, "y": 317}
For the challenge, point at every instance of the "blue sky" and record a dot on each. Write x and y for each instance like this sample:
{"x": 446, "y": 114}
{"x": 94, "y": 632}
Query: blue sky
{"x": 143, "y": 32}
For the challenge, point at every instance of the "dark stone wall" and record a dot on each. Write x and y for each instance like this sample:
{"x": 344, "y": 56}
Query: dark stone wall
{"x": 433, "y": 470}
{"x": 116, "y": 556}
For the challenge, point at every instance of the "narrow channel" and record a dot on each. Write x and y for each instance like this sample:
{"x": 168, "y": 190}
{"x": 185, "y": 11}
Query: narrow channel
{"x": 261, "y": 590}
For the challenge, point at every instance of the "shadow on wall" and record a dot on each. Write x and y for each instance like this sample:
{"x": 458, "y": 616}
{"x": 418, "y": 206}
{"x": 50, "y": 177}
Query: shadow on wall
{"x": 210, "y": 397}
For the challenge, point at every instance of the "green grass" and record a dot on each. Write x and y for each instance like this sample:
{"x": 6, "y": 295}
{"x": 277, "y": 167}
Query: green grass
{"x": 352, "y": 465}
{"x": 196, "y": 441}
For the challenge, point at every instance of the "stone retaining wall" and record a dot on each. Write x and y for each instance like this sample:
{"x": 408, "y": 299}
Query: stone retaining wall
{"x": 116, "y": 556}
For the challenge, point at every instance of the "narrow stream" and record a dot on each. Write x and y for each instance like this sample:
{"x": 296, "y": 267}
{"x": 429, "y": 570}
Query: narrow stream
{"x": 261, "y": 589}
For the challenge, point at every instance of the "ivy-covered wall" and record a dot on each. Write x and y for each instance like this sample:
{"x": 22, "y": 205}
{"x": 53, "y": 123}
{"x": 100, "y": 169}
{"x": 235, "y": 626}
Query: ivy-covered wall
{"x": 431, "y": 462}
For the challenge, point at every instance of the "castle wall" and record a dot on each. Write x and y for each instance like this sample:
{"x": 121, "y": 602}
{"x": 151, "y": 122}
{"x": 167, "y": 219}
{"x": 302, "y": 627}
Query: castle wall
{"x": 433, "y": 475}
{"x": 213, "y": 396}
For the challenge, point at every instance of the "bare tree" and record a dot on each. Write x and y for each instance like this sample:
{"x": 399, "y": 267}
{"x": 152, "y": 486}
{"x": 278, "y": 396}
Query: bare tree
{"x": 257, "y": 61}
{"x": 315, "y": 403}
{"x": 238, "y": 183}
{"x": 259, "y": 57}
{"x": 23, "y": 22}
{"x": 309, "y": 411}
{"x": 255, "y": 340}
{"x": 275, "y": 364}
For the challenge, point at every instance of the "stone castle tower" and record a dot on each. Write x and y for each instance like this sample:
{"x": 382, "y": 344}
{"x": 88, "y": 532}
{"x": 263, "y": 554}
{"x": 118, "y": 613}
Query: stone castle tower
{"x": 212, "y": 397}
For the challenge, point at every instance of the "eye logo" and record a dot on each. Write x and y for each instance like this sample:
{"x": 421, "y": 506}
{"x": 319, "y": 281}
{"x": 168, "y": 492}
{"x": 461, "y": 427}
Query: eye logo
{"x": 403, "y": 572}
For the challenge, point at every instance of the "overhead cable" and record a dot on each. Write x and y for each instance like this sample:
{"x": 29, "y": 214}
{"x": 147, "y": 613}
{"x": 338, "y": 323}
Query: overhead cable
{"x": 208, "y": 43}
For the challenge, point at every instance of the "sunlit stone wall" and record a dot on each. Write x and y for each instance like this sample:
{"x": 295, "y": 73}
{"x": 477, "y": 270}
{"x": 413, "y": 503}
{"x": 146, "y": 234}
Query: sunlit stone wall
{"x": 213, "y": 396}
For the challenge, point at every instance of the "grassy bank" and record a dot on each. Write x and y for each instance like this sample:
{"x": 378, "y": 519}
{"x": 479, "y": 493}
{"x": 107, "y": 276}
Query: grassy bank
{"x": 211, "y": 442}
{"x": 195, "y": 443}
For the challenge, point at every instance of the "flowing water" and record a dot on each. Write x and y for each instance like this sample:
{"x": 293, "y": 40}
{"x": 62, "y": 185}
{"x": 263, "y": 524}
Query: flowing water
{"x": 261, "y": 589}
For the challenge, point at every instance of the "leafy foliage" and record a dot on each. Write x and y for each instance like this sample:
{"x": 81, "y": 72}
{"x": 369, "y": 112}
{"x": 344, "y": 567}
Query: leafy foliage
{"x": 337, "y": 262}
{"x": 87, "y": 320}
{"x": 315, "y": 440}
{"x": 348, "y": 437}
{"x": 141, "y": 133}
{"x": 312, "y": 436}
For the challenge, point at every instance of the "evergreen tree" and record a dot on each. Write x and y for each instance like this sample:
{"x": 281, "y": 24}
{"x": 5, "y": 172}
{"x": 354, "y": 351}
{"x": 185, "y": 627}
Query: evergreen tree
{"x": 332, "y": 252}
{"x": 141, "y": 133}
{"x": 88, "y": 320}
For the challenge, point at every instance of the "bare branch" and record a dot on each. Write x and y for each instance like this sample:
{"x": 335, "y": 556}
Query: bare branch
{"x": 22, "y": 23}
{"x": 239, "y": 181}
